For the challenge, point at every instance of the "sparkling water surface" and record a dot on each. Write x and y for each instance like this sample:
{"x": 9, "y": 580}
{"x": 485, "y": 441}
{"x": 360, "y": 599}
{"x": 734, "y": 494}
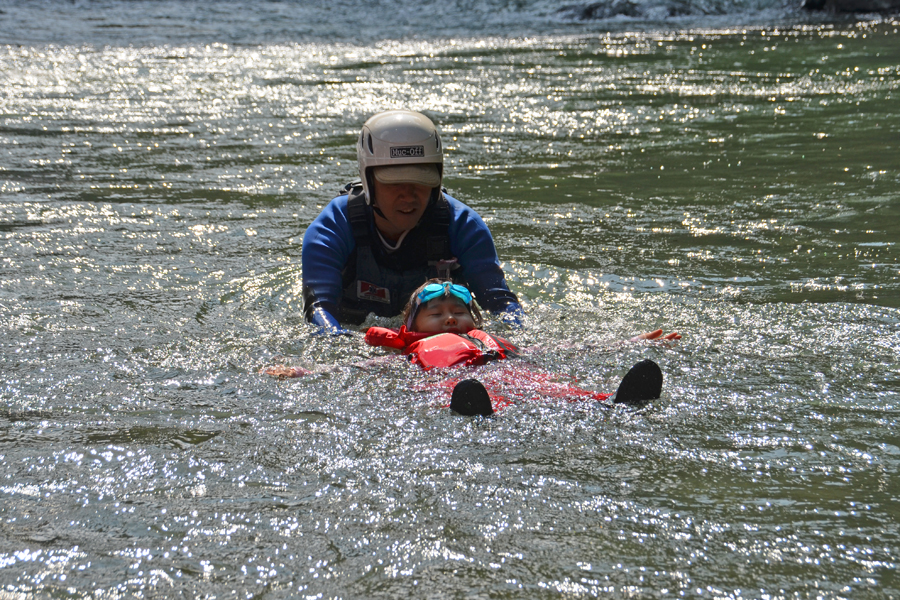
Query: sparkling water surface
{"x": 736, "y": 184}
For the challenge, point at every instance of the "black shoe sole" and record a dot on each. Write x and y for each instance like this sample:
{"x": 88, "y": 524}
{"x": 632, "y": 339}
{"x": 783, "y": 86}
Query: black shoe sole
{"x": 642, "y": 383}
{"x": 470, "y": 398}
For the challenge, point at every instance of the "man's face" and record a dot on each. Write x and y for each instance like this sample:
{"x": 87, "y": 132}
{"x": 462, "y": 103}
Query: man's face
{"x": 403, "y": 204}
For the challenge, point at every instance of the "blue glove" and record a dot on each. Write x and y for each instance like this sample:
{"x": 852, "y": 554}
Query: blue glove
{"x": 326, "y": 323}
{"x": 513, "y": 314}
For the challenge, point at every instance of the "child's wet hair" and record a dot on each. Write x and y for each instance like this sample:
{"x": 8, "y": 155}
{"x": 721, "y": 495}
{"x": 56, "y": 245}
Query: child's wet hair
{"x": 410, "y": 308}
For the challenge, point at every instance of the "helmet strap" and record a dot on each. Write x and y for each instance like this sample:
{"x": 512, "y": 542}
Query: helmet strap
{"x": 378, "y": 212}
{"x": 371, "y": 196}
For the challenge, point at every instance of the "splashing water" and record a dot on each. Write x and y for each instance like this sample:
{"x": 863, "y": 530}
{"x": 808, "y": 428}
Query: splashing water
{"x": 737, "y": 185}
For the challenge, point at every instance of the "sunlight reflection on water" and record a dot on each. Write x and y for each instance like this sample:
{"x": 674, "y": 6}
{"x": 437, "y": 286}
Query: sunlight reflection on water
{"x": 737, "y": 186}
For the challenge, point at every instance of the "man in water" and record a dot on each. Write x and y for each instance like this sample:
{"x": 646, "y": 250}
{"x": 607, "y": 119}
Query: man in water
{"x": 390, "y": 232}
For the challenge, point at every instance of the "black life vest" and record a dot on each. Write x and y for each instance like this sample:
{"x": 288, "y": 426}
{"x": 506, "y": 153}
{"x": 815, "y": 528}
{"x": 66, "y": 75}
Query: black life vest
{"x": 378, "y": 281}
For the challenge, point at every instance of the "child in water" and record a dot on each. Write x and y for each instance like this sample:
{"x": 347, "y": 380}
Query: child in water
{"x": 442, "y": 329}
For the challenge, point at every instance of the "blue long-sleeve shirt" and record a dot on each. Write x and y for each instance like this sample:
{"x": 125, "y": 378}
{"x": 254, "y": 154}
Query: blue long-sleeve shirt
{"x": 329, "y": 243}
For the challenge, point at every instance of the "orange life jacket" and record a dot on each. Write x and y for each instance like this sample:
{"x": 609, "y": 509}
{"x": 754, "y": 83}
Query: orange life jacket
{"x": 430, "y": 350}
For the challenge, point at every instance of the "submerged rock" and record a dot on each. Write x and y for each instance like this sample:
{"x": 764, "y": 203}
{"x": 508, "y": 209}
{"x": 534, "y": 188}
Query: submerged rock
{"x": 601, "y": 10}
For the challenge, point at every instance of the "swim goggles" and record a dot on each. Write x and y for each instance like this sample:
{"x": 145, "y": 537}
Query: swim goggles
{"x": 437, "y": 290}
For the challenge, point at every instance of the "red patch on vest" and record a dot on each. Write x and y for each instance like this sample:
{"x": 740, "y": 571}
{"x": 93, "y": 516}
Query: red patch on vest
{"x": 370, "y": 291}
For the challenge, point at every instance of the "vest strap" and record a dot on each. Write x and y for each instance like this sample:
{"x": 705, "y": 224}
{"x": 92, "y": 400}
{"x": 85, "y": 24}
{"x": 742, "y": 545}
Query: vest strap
{"x": 359, "y": 220}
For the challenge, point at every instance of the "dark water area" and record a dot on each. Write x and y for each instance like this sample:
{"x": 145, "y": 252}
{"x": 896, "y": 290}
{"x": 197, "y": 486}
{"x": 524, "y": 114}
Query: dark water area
{"x": 165, "y": 22}
{"x": 735, "y": 181}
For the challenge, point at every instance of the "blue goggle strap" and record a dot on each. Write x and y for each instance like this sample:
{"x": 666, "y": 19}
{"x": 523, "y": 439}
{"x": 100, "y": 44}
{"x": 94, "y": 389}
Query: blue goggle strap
{"x": 437, "y": 290}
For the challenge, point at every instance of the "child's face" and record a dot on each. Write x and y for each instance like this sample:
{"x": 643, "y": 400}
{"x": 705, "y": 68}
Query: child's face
{"x": 444, "y": 315}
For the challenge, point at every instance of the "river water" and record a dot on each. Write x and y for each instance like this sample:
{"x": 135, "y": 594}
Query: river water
{"x": 729, "y": 173}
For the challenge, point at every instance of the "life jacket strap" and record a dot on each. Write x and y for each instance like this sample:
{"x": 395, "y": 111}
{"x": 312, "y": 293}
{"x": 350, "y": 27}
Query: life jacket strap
{"x": 356, "y": 212}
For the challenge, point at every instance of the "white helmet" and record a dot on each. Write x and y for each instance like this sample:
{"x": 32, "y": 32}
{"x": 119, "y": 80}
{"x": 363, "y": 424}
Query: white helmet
{"x": 396, "y": 138}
